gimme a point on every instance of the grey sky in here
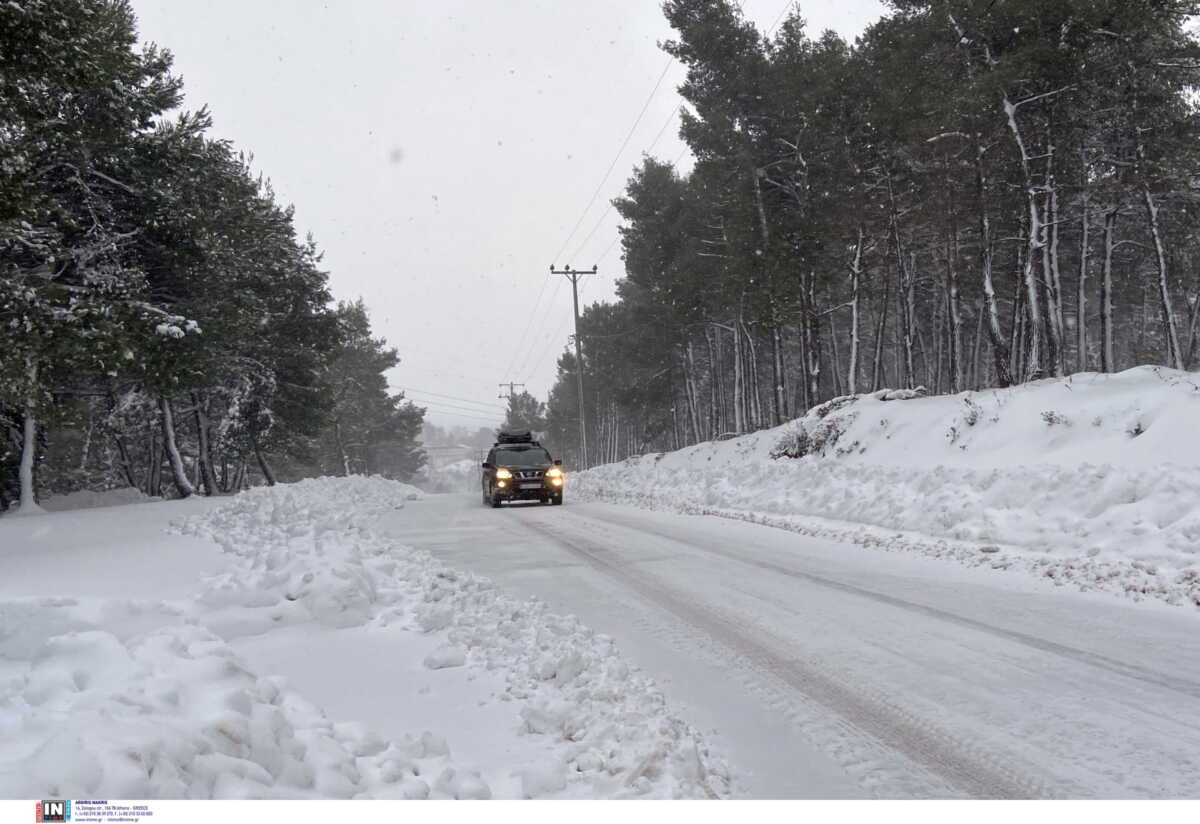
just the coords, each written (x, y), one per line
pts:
(441, 152)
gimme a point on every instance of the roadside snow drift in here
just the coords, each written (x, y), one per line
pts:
(105, 697)
(1092, 480)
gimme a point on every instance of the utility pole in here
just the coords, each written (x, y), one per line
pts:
(573, 275)
(512, 390)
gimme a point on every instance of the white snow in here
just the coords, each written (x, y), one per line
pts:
(457, 476)
(240, 656)
(1092, 480)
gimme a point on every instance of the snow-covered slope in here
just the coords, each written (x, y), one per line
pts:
(145, 672)
(1092, 479)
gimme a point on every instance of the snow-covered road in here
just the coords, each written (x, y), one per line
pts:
(824, 669)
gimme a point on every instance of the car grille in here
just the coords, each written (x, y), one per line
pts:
(528, 474)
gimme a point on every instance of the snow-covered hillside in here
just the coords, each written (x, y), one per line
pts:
(1092, 480)
(140, 664)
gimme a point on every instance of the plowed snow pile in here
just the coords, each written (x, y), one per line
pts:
(1092, 480)
(108, 697)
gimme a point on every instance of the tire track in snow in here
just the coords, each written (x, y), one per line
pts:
(1144, 674)
(971, 773)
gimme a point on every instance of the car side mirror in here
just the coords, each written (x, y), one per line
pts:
(487, 465)
(558, 462)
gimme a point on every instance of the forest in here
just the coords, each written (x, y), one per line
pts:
(975, 193)
(162, 324)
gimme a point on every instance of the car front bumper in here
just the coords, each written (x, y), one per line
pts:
(528, 491)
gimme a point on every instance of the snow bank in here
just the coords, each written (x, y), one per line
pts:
(1092, 480)
(306, 554)
(109, 697)
(172, 713)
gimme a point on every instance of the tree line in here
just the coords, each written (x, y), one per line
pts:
(973, 194)
(162, 325)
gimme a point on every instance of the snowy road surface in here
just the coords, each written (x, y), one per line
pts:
(829, 670)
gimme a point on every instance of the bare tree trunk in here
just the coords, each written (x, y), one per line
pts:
(689, 371)
(1001, 353)
(1053, 285)
(714, 407)
(835, 358)
(739, 380)
(86, 448)
(119, 442)
(123, 455)
(1081, 358)
(204, 457)
(1033, 355)
(182, 484)
(267, 472)
(1033, 327)
(154, 467)
(939, 348)
(789, 408)
(778, 389)
(953, 314)
(877, 370)
(904, 298)
(1017, 340)
(28, 449)
(341, 446)
(29, 442)
(975, 382)
(855, 283)
(1174, 353)
(812, 343)
(1107, 363)
(754, 387)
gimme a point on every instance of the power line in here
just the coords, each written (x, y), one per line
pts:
(647, 150)
(596, 227)
(528, 324)
(617, 156)
(448, 397)
(531, 351)
(599, 187)
(457, 414)
(604, 254)
(448, 405)
(779, 19)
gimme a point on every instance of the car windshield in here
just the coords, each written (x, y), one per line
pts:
(522, 456)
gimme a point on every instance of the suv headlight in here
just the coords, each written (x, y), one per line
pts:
(554, 472)
(503, 474)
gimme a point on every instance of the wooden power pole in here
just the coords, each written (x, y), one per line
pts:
(573, 275)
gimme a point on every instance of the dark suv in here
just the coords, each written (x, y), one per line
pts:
(519, 468)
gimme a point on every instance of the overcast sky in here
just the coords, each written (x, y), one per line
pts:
(441, 153)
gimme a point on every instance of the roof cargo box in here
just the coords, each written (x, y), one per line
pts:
(514, 436)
